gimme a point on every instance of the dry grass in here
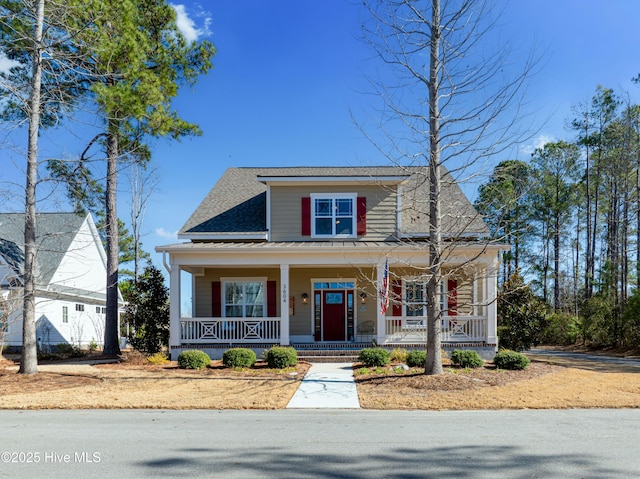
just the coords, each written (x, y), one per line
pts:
(131, 385)
(125, 386)
(541, 386)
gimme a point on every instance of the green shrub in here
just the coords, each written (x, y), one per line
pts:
(399, 355)
(193, 359)
(562, 329)
(280, 357)
(374, 357)
(466, 358)
(511, 360)
(239, 358)
(416, 358)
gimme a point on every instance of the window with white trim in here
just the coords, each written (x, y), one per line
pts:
(415, 297)
(333, 215)
(65, 314)
(244, 299)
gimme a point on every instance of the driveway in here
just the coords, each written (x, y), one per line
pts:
(329, 444)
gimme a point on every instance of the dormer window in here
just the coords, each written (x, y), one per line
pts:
(333, 215)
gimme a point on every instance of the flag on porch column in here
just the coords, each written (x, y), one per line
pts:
(384, 290)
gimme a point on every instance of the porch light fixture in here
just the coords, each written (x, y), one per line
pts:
(363, 296)
(305, 298)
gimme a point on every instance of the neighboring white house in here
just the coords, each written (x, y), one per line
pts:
(299, 256)
(70, 280)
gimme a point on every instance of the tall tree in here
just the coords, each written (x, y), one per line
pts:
(22, 29)
(556, 173)
(445, 114)
(502, 200)
(136, 60)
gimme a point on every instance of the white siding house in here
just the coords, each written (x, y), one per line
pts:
(70, 280)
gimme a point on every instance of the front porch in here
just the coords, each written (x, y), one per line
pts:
(311, 295)
(215, 335)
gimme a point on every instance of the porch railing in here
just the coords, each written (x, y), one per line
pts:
(454, 328)
(230, 330)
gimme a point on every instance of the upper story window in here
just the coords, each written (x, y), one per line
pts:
(333, 215)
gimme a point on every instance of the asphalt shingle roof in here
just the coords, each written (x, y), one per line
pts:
(237, 202)
(54, 234)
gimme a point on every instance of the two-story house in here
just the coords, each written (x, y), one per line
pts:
(299, 256)
(70, 280)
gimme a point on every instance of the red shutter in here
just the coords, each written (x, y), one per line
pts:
(396, 289)
(272, 301)
(362, 215)
(452, 297)
(216, 299)
(306, 216)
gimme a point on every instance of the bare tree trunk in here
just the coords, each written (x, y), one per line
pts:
(29, 359)
(111, 339)
(434, 346)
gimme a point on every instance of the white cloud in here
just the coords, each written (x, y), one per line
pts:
(190, 31)
(172, 235)
(537, 142)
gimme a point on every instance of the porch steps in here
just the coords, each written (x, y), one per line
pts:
(330, 353)
(328, 356)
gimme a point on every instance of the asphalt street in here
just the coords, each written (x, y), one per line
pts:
(320, 444)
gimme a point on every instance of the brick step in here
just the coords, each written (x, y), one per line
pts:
(328, 359)
(328, 355)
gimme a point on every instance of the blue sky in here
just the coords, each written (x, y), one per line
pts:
(288, 74)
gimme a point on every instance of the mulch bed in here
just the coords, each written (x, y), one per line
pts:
(457, 379)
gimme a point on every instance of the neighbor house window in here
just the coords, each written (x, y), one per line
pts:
(65, 314)
(333, 215)
(244, 299)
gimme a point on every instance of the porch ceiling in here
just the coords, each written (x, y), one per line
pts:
(320, 253)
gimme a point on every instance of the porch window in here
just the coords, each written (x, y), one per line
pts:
(415, 297)
(333, 215)
(244, 299)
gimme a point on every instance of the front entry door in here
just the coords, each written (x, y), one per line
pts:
(334, 315)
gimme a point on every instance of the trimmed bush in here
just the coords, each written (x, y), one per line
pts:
(280, 357)
(511, 360)
(416, 359)
(374, 357)
(466, 358)
(193, 359)
(239, 358)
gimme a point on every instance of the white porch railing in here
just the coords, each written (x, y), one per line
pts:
(454, 328)
(230, 330)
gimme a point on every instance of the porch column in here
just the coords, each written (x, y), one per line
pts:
(284, 304)
(492, 305)
(381, 318)
(174, 305)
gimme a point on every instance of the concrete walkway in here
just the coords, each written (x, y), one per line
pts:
(327, 385)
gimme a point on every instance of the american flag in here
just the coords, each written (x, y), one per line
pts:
(384, 290)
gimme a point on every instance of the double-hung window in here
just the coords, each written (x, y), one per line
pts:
(244, 299)
(333, 215)
(415, 298)
(415, 293)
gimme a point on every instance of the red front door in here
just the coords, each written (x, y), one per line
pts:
(333, 315)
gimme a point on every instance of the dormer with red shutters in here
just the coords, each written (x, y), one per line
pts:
(333, 208)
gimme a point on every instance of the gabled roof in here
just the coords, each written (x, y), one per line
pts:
(237, 202)
(54, 234)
